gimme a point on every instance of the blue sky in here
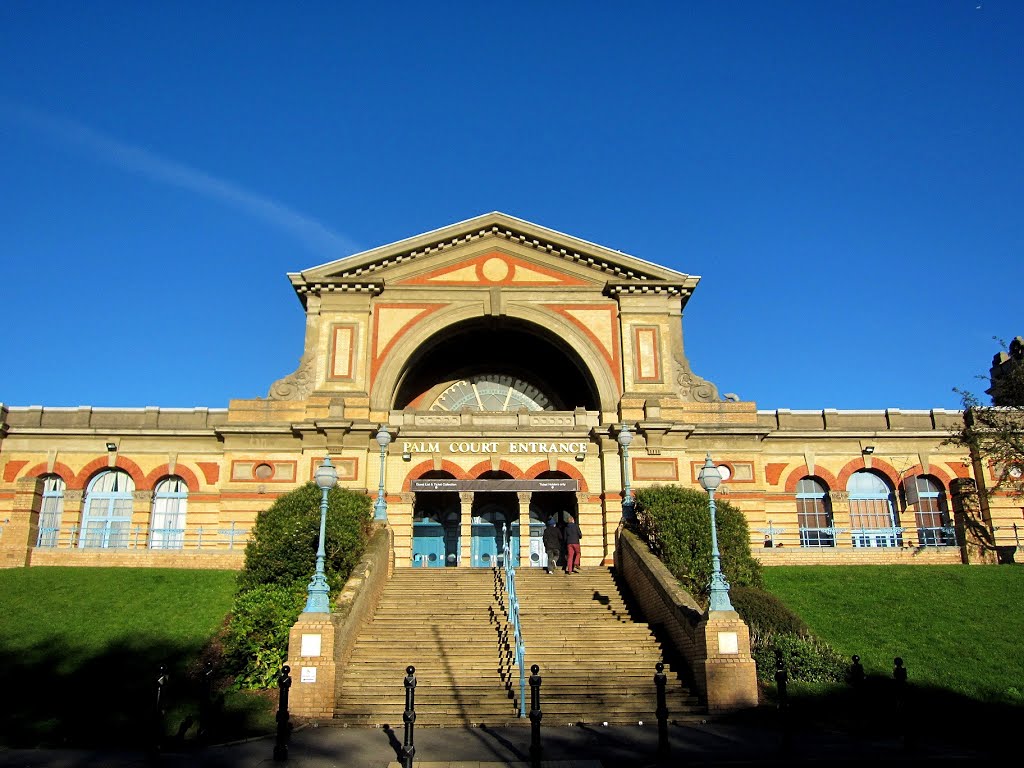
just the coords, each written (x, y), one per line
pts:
(846, 177)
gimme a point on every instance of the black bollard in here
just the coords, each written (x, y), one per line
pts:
(284, 726)
(409, 716)
(535, 715)
(206, 705)
(781, 683)
(162, 679)
(660, 681)
(856, 673)
(903, 713)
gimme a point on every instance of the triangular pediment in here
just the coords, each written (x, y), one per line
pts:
(492, 250)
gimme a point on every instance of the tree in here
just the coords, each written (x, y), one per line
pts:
(994, 434)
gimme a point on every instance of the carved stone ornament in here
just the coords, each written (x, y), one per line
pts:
(295, 386)
(691, 387)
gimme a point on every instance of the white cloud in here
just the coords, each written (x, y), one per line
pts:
(314, 235)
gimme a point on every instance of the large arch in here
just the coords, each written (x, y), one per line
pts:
(410, 368)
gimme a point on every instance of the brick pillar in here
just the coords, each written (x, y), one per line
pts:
(465, 529)
(841, 518)
(400, 522)
(314, 670)
(22, 529)
(71, 520)
(724, 662)
(598, 540)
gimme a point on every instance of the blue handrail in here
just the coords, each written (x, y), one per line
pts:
(513, 616)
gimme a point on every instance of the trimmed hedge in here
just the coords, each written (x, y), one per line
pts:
(279, 562)
(676, 524)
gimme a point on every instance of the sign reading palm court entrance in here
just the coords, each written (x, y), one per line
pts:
(448, 484)
(572, 447)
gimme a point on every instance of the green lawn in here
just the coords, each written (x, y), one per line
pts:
(957, 628)
(80, 647)
(80, 650)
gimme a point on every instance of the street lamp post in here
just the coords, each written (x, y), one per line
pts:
(380, 508)
(710, 478)
(316, 601)
(625, 438)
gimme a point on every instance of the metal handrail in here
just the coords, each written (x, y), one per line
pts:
(513, 615)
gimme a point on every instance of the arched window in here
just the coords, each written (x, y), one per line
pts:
(108, 510)
(872, 511)
(932, 513)
(814, 514)
(51, 512)
(167, 526)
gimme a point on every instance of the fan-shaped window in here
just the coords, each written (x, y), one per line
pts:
(872, 511)
(933, 529)
(814, 514)
(108, 510)
(51, 512)
(170, 501)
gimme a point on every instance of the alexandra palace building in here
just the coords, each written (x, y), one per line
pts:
(490, 373)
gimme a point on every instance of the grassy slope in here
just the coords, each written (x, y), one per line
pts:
(80, 647)
(956, 628)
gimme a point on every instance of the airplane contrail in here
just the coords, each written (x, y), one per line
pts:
(314, 235)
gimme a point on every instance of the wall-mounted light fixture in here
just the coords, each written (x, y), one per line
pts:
(869, 449)
(406, 456)
(111, 446)
(581, 456)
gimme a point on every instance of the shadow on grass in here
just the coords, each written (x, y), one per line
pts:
(59, 695)
(922, 718)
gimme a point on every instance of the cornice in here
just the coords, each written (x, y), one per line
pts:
(359, 272)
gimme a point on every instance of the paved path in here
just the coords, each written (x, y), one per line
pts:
(698, 745)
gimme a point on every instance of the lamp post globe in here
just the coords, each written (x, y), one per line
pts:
(317, 593)
(710, 478)
(625, 438)
(380, 508)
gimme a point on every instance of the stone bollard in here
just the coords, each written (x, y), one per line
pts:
(660, 682)
(284, 726)
(409, 716)
(535, 716)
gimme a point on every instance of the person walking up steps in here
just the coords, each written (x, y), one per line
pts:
(572, 542)
(552, 544)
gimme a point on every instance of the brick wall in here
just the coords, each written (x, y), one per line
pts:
(858, 556)
(231, 560)
(725, 679)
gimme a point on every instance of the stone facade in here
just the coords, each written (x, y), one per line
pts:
(492, 350)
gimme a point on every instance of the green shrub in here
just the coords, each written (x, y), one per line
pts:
(280, 560)
(806, 659)
(256, 640)
(765, 614)
(284, 540)
(676, 523)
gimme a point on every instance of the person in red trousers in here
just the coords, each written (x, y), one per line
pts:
(572, 535)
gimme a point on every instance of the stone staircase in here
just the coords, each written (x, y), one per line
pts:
(597, 664)
(597, 661)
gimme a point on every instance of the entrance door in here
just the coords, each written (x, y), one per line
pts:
(428, 544)
(486, 544)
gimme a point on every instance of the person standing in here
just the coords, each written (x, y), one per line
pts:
(552, 544)
(572, 535)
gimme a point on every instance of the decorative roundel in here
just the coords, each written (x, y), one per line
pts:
(1016, 471)
(725, 471)
(492, 392)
